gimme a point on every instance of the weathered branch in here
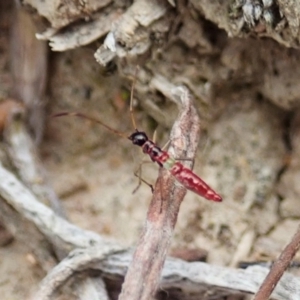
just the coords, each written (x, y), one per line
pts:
(77, 260)
(278, 268)
(24, 156)
(189, 277)
(143, 275)
(65, 235)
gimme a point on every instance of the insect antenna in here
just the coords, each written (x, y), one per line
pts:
(83, 116)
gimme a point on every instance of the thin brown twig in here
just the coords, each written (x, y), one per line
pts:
(278, 268)
(142, 279)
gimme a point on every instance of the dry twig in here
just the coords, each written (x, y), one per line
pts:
(278, 268)
(190, 278)
(78, 260)
(25, 158)
(143, 275)
(66, 236)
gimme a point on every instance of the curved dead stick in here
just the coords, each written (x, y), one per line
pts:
(189, 277)
(77, 260)
(60, 232)
(25, 158)
(143, 276)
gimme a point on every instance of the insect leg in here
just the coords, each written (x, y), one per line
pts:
(138, 174)
(166, 145)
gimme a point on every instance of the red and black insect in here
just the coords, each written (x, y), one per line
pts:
(182, 174)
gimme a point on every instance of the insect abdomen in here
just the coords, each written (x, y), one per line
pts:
(194, 183)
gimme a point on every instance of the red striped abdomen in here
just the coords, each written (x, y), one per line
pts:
(193, 183)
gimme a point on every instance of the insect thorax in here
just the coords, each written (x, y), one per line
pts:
(169, 163)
